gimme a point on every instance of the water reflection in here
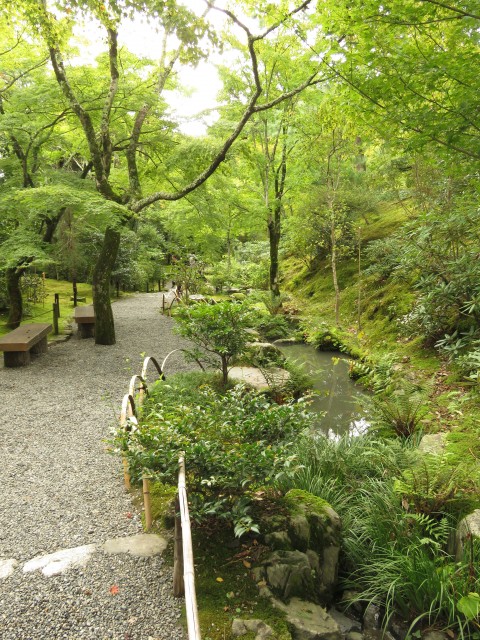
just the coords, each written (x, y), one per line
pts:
(338, 400)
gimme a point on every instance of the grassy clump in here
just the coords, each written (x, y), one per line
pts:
(396, 527)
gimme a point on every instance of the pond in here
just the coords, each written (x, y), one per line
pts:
(338, 400)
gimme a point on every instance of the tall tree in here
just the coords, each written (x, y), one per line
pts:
(100, 128)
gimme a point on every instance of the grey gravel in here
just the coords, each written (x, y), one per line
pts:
(61, 489)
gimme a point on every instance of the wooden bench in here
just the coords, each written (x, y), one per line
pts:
(85, 318)
(23, 341)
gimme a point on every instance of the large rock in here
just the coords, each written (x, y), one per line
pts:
(306, 547)
(468, 526)
(290, 574)
(308, 621)
(264, 353)
(433, 443)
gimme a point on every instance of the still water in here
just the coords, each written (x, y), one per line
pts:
(338, 400)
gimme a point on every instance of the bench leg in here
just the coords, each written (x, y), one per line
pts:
(40, 347)
(86, 329)
(16, 358)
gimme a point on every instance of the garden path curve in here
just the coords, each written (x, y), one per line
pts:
(62, 490)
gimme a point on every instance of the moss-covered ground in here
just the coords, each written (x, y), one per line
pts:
(42, 311)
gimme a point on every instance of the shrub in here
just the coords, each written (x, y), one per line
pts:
(233, 444)
(273, 327)
(219, 331)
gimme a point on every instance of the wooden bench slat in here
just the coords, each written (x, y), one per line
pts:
(85, 314)
(24, 337)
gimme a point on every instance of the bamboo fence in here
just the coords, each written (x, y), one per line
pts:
(183, 570)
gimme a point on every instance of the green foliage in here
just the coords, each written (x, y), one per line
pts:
(401, 411)
(273, 327)
(376, 374)
(433, 485)
(243, 275)
(328, 338)
(218, 330)
(233, 444)
(392, 556)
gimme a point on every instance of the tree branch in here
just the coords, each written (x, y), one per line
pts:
(463, 13)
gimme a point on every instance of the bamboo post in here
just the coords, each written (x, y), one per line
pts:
(147, 503)
(178, 584)
(126, 473)
(55, 319)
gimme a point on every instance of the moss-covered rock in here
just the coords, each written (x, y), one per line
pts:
(306, 549)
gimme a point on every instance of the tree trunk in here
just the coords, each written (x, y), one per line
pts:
(13, 275)
(104, 325)
(224, 372)
(274, 240)
(334, 273)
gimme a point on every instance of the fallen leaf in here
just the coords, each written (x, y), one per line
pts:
(247, 564)
(114, 590)
(226, 608)
(129, 515)
(88, 592)
(219, 579)
(262, 583)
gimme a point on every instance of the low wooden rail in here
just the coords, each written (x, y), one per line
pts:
(183, 570)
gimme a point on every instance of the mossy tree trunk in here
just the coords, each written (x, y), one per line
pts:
(13, 275)
(104, 325)
(274, 231)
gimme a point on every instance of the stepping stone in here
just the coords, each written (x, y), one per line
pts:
(143, 544)
(255, 378)
(7, 567)
(60, 561)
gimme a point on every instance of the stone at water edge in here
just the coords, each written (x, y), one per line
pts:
(345, 623)
(309, 621)
(255, 378)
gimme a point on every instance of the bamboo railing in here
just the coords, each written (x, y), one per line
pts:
(183, 570)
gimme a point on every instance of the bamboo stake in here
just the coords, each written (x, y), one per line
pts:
(178, 585)
(147, 503)
(126, 474)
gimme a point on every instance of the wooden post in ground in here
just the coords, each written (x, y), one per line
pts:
(75, 292)
(178, 584)
(163, 304)
(126, 473)
(55, 319)
(147, 504)
(57, 302)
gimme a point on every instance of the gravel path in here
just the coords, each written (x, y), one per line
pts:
(61, 489)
